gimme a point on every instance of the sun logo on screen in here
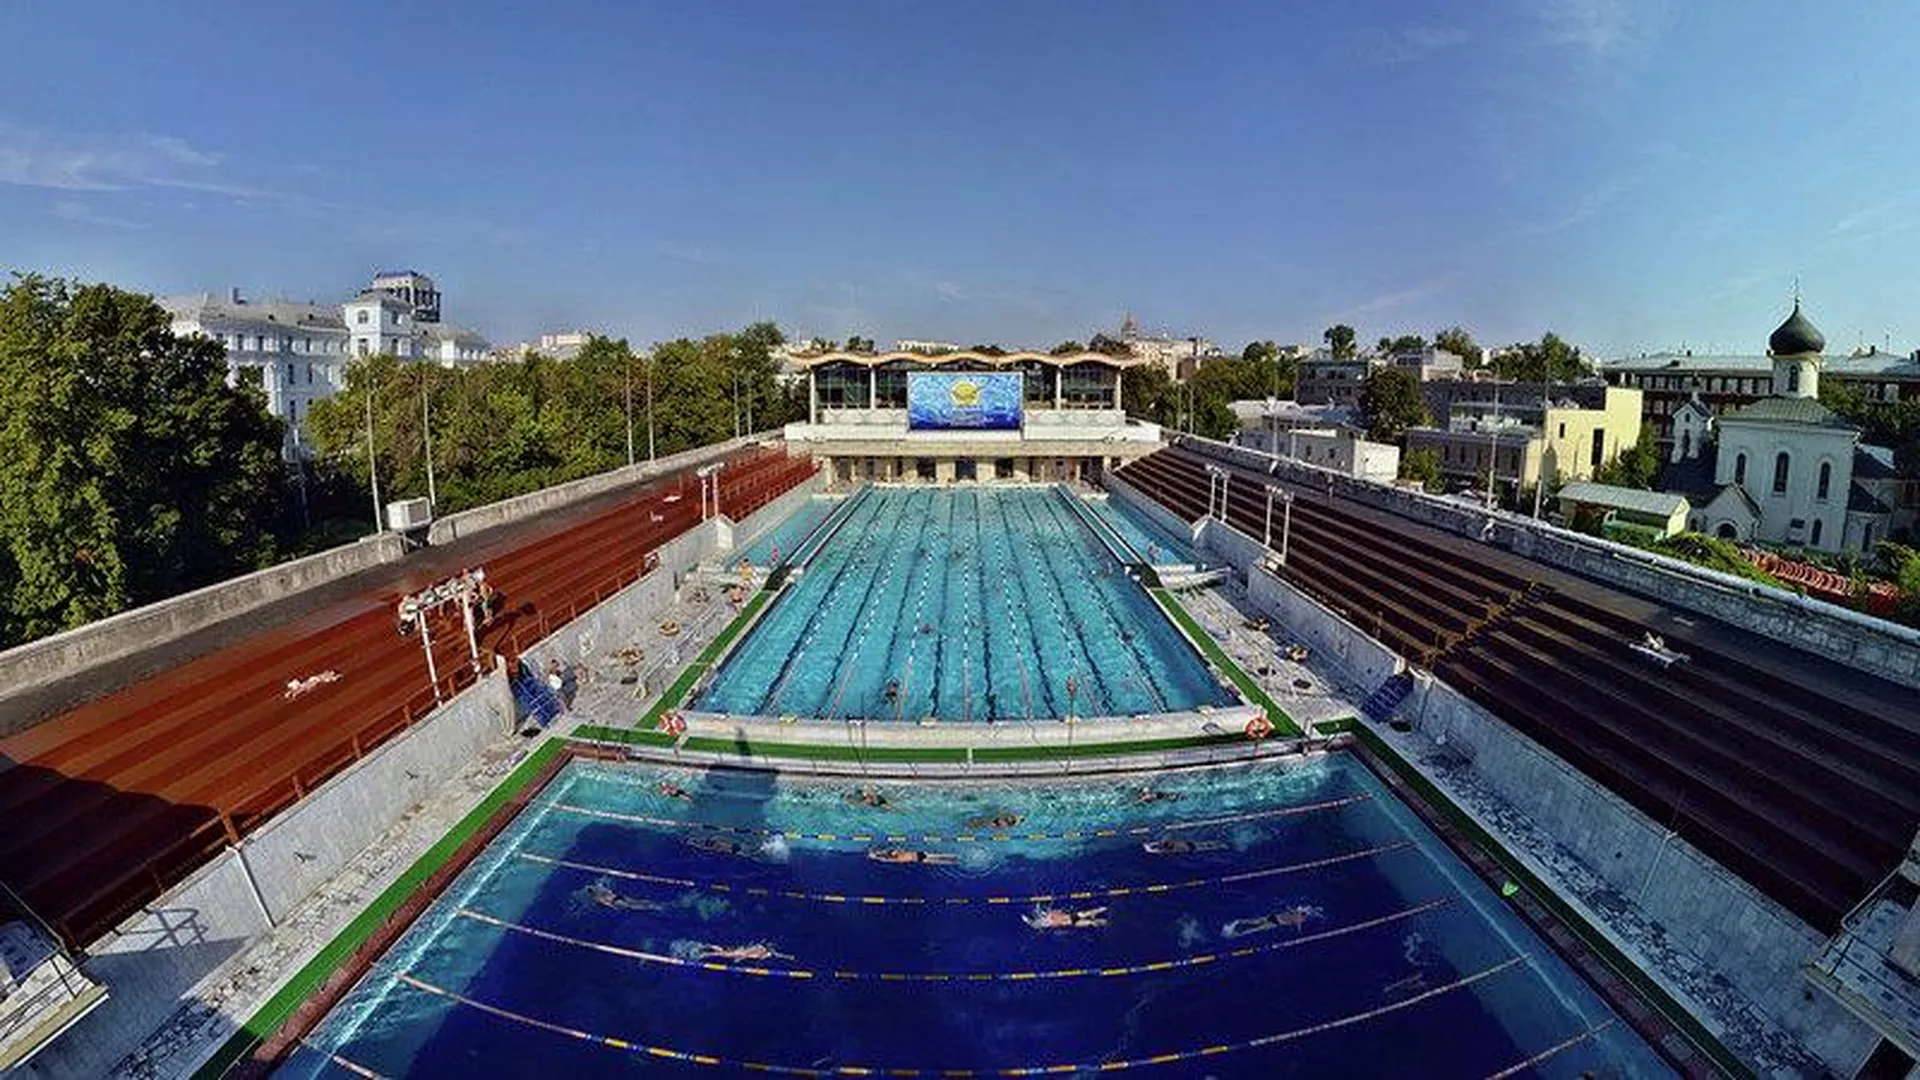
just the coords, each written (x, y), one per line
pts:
(966, 394)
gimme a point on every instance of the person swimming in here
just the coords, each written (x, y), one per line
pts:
(1002, 820)
(671, 790)
(1181, 847)
(757, 950)
(1154, 795)
(1295, 917)
(1053, 918)
(722, 845)
(603, 894)
(912, 855)
(870, 797)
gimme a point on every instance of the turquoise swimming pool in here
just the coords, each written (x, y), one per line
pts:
(1273, 920)
(962, 604)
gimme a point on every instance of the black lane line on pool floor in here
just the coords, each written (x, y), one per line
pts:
(1553, 1051)
(1154, 888)
(1169, 1058)
(1195, 960)
(1102, 833)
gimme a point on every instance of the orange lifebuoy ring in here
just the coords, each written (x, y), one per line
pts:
(673, 723)
(1259, 727)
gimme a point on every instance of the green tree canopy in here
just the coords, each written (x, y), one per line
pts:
(1548, 360)
(1457, 341)
(1342, 340)
(1423, 465)
(1390, 402)
(1638, 466)
(129, 470)
(1109, 346)
(1066, 348)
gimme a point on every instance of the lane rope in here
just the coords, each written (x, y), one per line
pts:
(956, 901)
(1196, 960)
(344, 1062)
(965, 837)
(1552, 1051)
(1113, 1065)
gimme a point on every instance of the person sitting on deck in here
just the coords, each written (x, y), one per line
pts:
(912, 855)
(1053, 918)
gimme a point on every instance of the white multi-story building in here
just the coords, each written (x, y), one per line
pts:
(413, 287)
(923, 345)
(295, 352)
(381, 323)
(1180, 357)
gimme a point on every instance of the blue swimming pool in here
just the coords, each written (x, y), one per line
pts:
(1301, 923)
(785, 538)
(1151, 542)
(962, 604)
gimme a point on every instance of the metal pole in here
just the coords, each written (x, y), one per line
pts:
(467, 597)
(426, 435)
(426, 644)
(1266, 537)
(1493, 445)
(1286, 526)
(649, 409)
(627, 370)
(373, 474)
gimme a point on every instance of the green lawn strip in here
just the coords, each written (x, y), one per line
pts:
(1591, 938)
(914, 754)
(270, 1016)
(677, 693)
(1282, 723)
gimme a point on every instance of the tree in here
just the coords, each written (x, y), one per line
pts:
(858, 344)
(1216, 419)
(129, 470)
(1260, 352)
(989, 350)
(1146, 393)
(1457, 341)
(1423, 465)
(1109, 346)
(1638, 466)
(1384, 346)
(1407, 343)
(1390, 402)
(1548, 360)
(1066, 348)
(1341, 340)
(1278, 372)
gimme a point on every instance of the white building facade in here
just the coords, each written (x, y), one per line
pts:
(295, 352)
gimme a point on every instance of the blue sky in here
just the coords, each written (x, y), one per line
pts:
(1634, 175)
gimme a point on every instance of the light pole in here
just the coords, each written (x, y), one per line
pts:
(426, 435)
(627, 370)
(373, 473)
(1286, 524)
(649, 408)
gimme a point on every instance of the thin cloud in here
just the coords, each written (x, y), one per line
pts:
(33, 158)
(1411, 43)
(1596, 27)
(695, 255)
(77, 211)
(1397, 299)
(1591, 203)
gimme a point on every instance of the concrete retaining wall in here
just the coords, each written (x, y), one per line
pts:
(1755, 944)
(1859, 641)
(156, 958)
(1151, 507)
(1323, 631)
(628, 617)
(748, 531)
(505, 512)
(37, 663)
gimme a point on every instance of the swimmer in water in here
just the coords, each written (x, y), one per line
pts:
(722, 845)
(758, 950)
(911, 855)
(601, 893)
(671, 790)
(869, 797)
(1181, 847)
(1053, 918)
(1002, 820)
(1295, 917)
(1154, 795)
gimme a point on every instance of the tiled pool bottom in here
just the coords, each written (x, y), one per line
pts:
(1288, 921)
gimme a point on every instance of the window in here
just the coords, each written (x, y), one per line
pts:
(841, 386)
(289, 373)
(1866, 537)
(1599, 446)
(1793, 378)
(1563, 429)
(1740, 469)
(1826, 481)
(1814, 539)
(1781, 465)
(309, 373)
(360, 316)
(1686, 444)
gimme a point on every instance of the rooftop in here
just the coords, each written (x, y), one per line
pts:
(964, 356)
(1865, 364)
(1632, 500)
(209, 308)
(1782, 410)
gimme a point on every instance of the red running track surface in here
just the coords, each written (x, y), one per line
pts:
(112, 802)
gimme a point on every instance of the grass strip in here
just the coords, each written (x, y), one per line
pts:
(268, 1018)
(1282, 723)
(1590, 937)
(903, 754)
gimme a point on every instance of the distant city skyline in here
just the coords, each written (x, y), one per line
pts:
(1634, 175)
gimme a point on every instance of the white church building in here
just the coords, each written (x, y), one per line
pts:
(1785, 469)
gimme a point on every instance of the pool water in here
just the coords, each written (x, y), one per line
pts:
(962, 604)
(785, 538)
(1152, 543)
(1315, 929)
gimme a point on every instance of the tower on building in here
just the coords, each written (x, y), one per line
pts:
(1795, 348)
(412, 288)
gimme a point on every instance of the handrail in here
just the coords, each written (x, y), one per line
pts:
(1116, 545)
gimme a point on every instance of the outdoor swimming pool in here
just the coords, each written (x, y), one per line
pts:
(1312, 927)
(962, 604)
(1152, 543)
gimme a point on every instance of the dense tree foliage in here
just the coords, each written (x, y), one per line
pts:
(1109, 346)
(129, 470)
(1066, 348)
(504, 429)
(1893, 424)
(1638, 466)
(1341, 339)
(1390, 402)
(1548, 360)
(1457, 341)
(1423, 466)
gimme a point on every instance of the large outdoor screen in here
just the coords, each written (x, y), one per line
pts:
(976, 400)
